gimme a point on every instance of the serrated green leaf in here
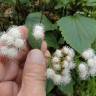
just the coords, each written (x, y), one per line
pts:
(51, 40)
(66, 89)
(35, 18)
(78, 31)
(50, 85)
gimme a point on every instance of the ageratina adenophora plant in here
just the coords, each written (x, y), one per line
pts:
(69, 28)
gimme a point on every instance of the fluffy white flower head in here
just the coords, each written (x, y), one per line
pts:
(92, 71)
(6, 39)
(14, 32)
(3, 37)
(12, 52)
(66, 72)
(72, 65)
(65, 64)
(55, 60)
(57, 79)
(66, 79)
(9, 41)
(3, 51)
(38, 31)
(71, 53)
(91, 62)
(68, 58)
(65, 50)
(50, 73)
(19, 43)
(58, 53)
(87, 54)
(83, 71)
(57, 67)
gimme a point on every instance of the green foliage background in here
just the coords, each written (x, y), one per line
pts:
(67, 22)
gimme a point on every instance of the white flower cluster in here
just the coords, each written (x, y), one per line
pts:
(38, 31)
(88, 69)
(11, 41)
(62, 64)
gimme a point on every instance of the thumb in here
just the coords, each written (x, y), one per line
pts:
(34, 75)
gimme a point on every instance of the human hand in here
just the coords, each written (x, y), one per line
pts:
(24, 76)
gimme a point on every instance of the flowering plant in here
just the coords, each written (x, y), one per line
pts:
(69, 28)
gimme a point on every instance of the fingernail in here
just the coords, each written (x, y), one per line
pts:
(36, 56)
(24, 31)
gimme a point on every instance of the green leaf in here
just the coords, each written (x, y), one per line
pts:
(78, 31)
(35, 18)
(50, 85)
(51, 40)
(91, 3)
(67, 89)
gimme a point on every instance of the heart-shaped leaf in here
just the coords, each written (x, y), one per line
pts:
(35, 18)
(78, 31)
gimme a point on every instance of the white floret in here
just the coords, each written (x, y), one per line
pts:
(6, 39)
(3, 37)
(72, 65)
(91, 62)
(55, 60)
(10, 40)
(58, 53)
(65, 72)
(69, 65)
(65, 50)
(94, 58)
(71, 53)
(57, 79)
(3, 51)
(66, 79)
(68, 58)
(14, 32)
(38, 31)
(92, 71)
(19, 43)
(57, 67)
(92, 66)
(50, 73)
(83, 71)
(87, 54)
(12, 52)
(65, 64)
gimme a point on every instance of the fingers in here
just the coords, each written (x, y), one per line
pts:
(44, 47)
(11, 70)
(2, 72)
(8, 71)
(24, 31)
(22, 54)
(19, 78)
(34, 75)
(8, 89)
